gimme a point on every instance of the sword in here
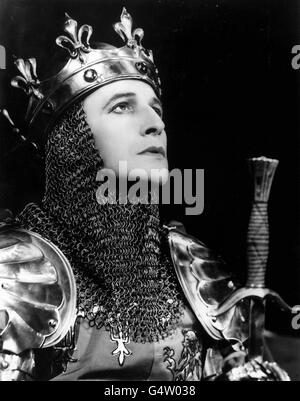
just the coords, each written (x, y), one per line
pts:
(255, 291)
(263, 171)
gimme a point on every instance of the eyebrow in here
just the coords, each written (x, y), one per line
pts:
(130, 94)
(118, 96)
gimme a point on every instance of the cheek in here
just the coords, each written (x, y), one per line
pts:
(165, 139)
(113, 145)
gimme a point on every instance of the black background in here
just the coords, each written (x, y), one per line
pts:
(229, 93)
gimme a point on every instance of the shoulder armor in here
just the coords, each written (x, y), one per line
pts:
(206, 284)
(37, 291)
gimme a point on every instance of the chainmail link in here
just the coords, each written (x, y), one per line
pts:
(119, 253)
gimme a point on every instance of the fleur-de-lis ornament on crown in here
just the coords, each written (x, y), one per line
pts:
(133, 39)
(78, 41)
(29, 81)
(124, 29)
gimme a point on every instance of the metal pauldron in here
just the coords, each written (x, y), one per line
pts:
(37, 299)
(206, 284)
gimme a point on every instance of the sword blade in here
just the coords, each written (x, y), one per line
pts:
(256, 328)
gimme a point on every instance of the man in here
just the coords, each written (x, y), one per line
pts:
(136, 318)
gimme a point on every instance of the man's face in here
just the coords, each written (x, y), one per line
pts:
(126, 120)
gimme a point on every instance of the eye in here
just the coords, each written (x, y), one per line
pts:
(158, 110)
(122, 107)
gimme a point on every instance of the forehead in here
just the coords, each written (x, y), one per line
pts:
(140, 89)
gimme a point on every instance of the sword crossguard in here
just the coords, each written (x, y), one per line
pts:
(245, 292)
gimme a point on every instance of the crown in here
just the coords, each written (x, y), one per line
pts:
(86, 70)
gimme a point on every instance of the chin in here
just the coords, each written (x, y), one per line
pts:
(159, 176)
(155, 170)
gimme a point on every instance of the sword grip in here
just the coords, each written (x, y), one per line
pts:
(263, 170)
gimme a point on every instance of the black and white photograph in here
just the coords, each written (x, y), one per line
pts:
(149, 193)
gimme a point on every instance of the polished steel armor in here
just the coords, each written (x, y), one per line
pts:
(206, 284)
(37, 292)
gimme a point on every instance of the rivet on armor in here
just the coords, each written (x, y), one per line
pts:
(49, 106)
(52, 323)
(141, 67)
(230, 284)
(4, 286)
(90, 75)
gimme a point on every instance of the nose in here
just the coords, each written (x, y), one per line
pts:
(152, 123)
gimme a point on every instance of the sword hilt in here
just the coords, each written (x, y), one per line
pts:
(262, 170)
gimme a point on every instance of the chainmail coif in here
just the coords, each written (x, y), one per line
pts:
(119, 253)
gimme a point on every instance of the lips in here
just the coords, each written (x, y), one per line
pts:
(154, 150)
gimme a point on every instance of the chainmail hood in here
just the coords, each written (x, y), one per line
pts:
(119, 253)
